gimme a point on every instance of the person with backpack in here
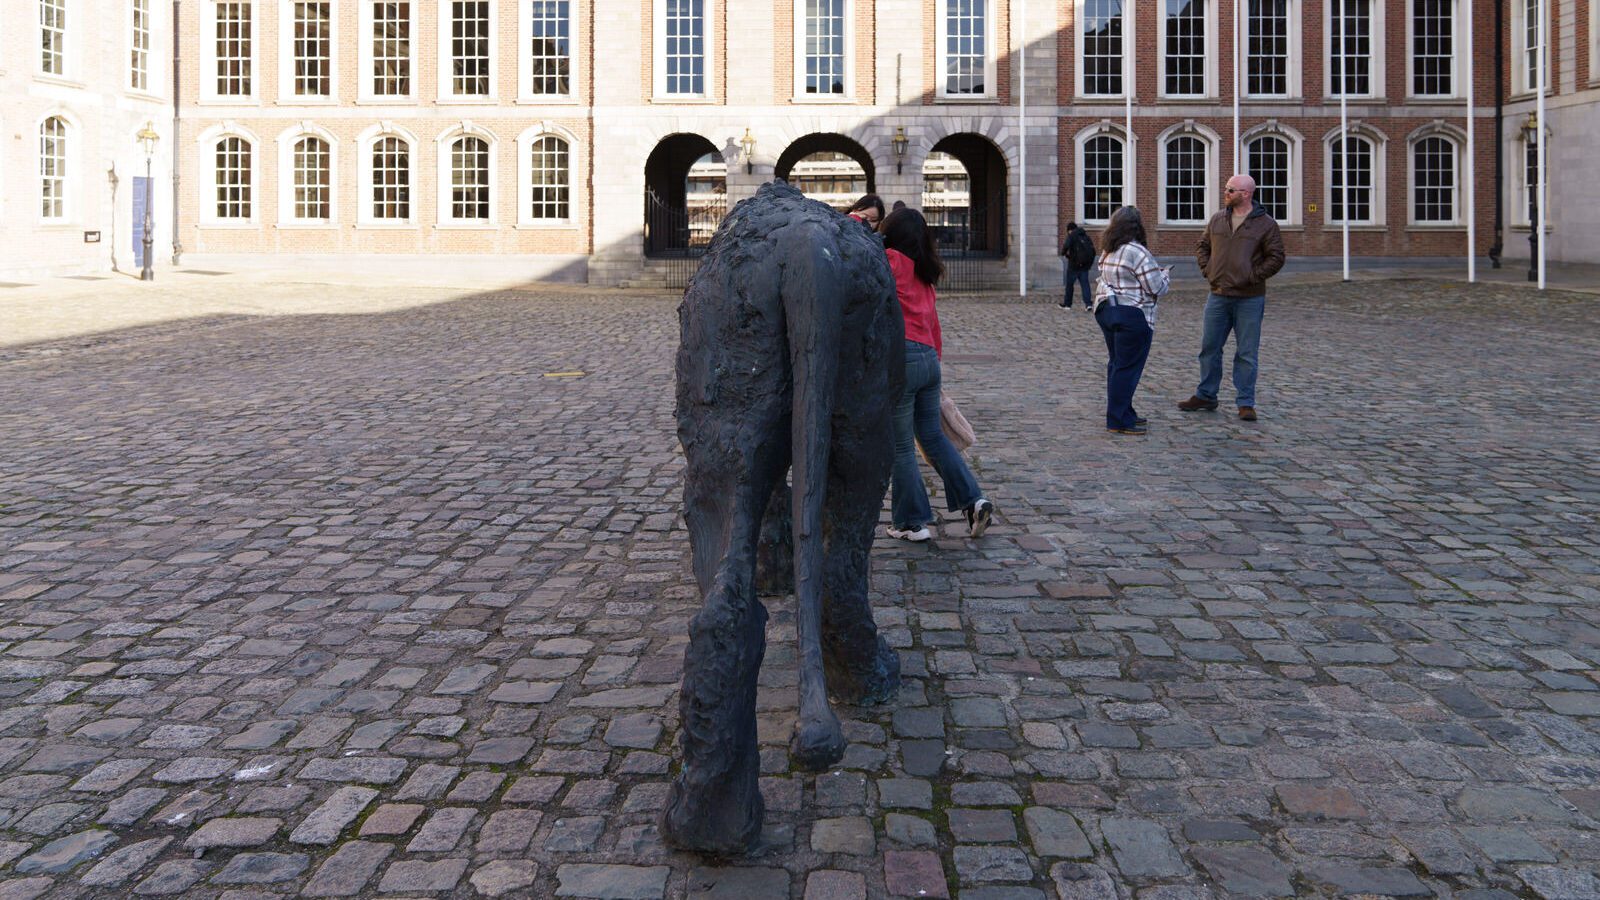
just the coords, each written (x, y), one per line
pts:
(1077, 258)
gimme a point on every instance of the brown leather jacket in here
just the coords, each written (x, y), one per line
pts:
(1238, 263)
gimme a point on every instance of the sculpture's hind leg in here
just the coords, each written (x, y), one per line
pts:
(860, 667)
(715, 802)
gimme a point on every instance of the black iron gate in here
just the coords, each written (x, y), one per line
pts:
(676, 237)
(969, 245)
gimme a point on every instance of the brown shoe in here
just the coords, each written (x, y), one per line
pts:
(1247, 413)
(1194, 404)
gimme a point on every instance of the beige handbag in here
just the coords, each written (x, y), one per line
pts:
(955, 426)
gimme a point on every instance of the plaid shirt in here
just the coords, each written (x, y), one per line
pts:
(1131, 276)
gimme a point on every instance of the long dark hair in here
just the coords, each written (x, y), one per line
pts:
(868, 201)
(1126, 227)
(907, 231)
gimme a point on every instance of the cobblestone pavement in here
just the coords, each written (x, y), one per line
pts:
(369, 605)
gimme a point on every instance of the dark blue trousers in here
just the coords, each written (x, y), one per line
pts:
(1128, 338)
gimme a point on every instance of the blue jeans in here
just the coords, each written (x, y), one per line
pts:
(1079, 277)
(1128, 336)
(916, 421)
(1242, 316)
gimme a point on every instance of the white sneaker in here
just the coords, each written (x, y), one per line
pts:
(916, 536)
(978, 517)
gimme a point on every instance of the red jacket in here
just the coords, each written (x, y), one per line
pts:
(916, 302)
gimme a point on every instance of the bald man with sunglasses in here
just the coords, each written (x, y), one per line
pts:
(1239, 251)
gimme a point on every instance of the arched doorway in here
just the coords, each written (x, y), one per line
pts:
(964, 197)
(828, 167)
(685, 197)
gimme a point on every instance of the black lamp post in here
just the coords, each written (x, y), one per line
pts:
(900, 142)
(147, 140)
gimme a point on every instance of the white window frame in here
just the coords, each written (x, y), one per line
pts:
(445, 218)
(286, 142)
(1296, 142)
(525, 175)
(849, 94)
(525, 92)
(1375, 59)
(1520, 83)
(1129, 150)
(209, 60)
(1518, 183)
(446, 80)
(1294, 80)
(1457, 29)
(286, 94)
(991, 77)
(71, 10)
(149, 50)
(366, 142)
(206, 149)
(1458, 142)
(658, 27)
(1210, 141)
(70, 157)
(366, 59)
(1130, 53)
(1380, 176)
(1209, 20)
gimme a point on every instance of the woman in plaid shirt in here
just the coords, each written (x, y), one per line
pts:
(1125, 306)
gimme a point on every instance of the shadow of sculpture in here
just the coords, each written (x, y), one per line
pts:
(792, 356)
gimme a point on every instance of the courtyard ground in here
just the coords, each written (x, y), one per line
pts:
(349, 589)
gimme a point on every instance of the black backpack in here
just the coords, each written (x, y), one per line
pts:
(1080, 250)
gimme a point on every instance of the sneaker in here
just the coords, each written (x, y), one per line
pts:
(1064, 305)
(1194, 404)
(914, 535)
(979, 515)
(1135, 430)
(1247, 413)
(1140, 421)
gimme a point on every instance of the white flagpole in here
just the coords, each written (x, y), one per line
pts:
(1344, 129)
(1022, 153)
(1471, 166)
(1544, 180)
(1130, 79)
(1238, 53)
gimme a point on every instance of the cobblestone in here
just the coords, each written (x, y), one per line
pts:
(362, 605)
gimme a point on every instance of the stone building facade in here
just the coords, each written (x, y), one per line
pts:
(79, 79)
(590, 140)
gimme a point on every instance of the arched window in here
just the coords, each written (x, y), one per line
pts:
(1102, 177)
(1433, 181)
(549, 178)
(1353, 162)
(1185, 167)
(53, 168)
(313, 180)
(469, 179)
(233, 178)
(391, 180)
(1269, 159)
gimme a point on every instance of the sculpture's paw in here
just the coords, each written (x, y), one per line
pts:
(817, 744)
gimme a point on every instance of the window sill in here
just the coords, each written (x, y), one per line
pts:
(1528, 229)
(386, 226)
(307, 226)
(563, 225)
(229, 100)
(231, 226)
(552, 100)
(465, 226)
(58, 225)
(823, 99)
(375, 100)
(966, 99)
(468, 101)
(1271, 98)
(1182, 226)
(61, 80)
(1188, 98)
(687, 101)
(306, 101)
(1364, 228)
(146, 96)
(1437, 99)
(1437, 229)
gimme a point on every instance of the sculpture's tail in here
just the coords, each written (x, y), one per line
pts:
(812, 289)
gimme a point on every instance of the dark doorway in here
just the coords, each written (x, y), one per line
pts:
(685, 198)
(979, 230)
(834, 147)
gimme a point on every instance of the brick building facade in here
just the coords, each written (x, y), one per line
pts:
(555, 138)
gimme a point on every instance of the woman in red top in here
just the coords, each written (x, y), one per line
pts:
(917, 269)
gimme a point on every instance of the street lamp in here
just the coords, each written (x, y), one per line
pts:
(900, 142)
(1530, 139)
(748, 145)
(147, 140)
